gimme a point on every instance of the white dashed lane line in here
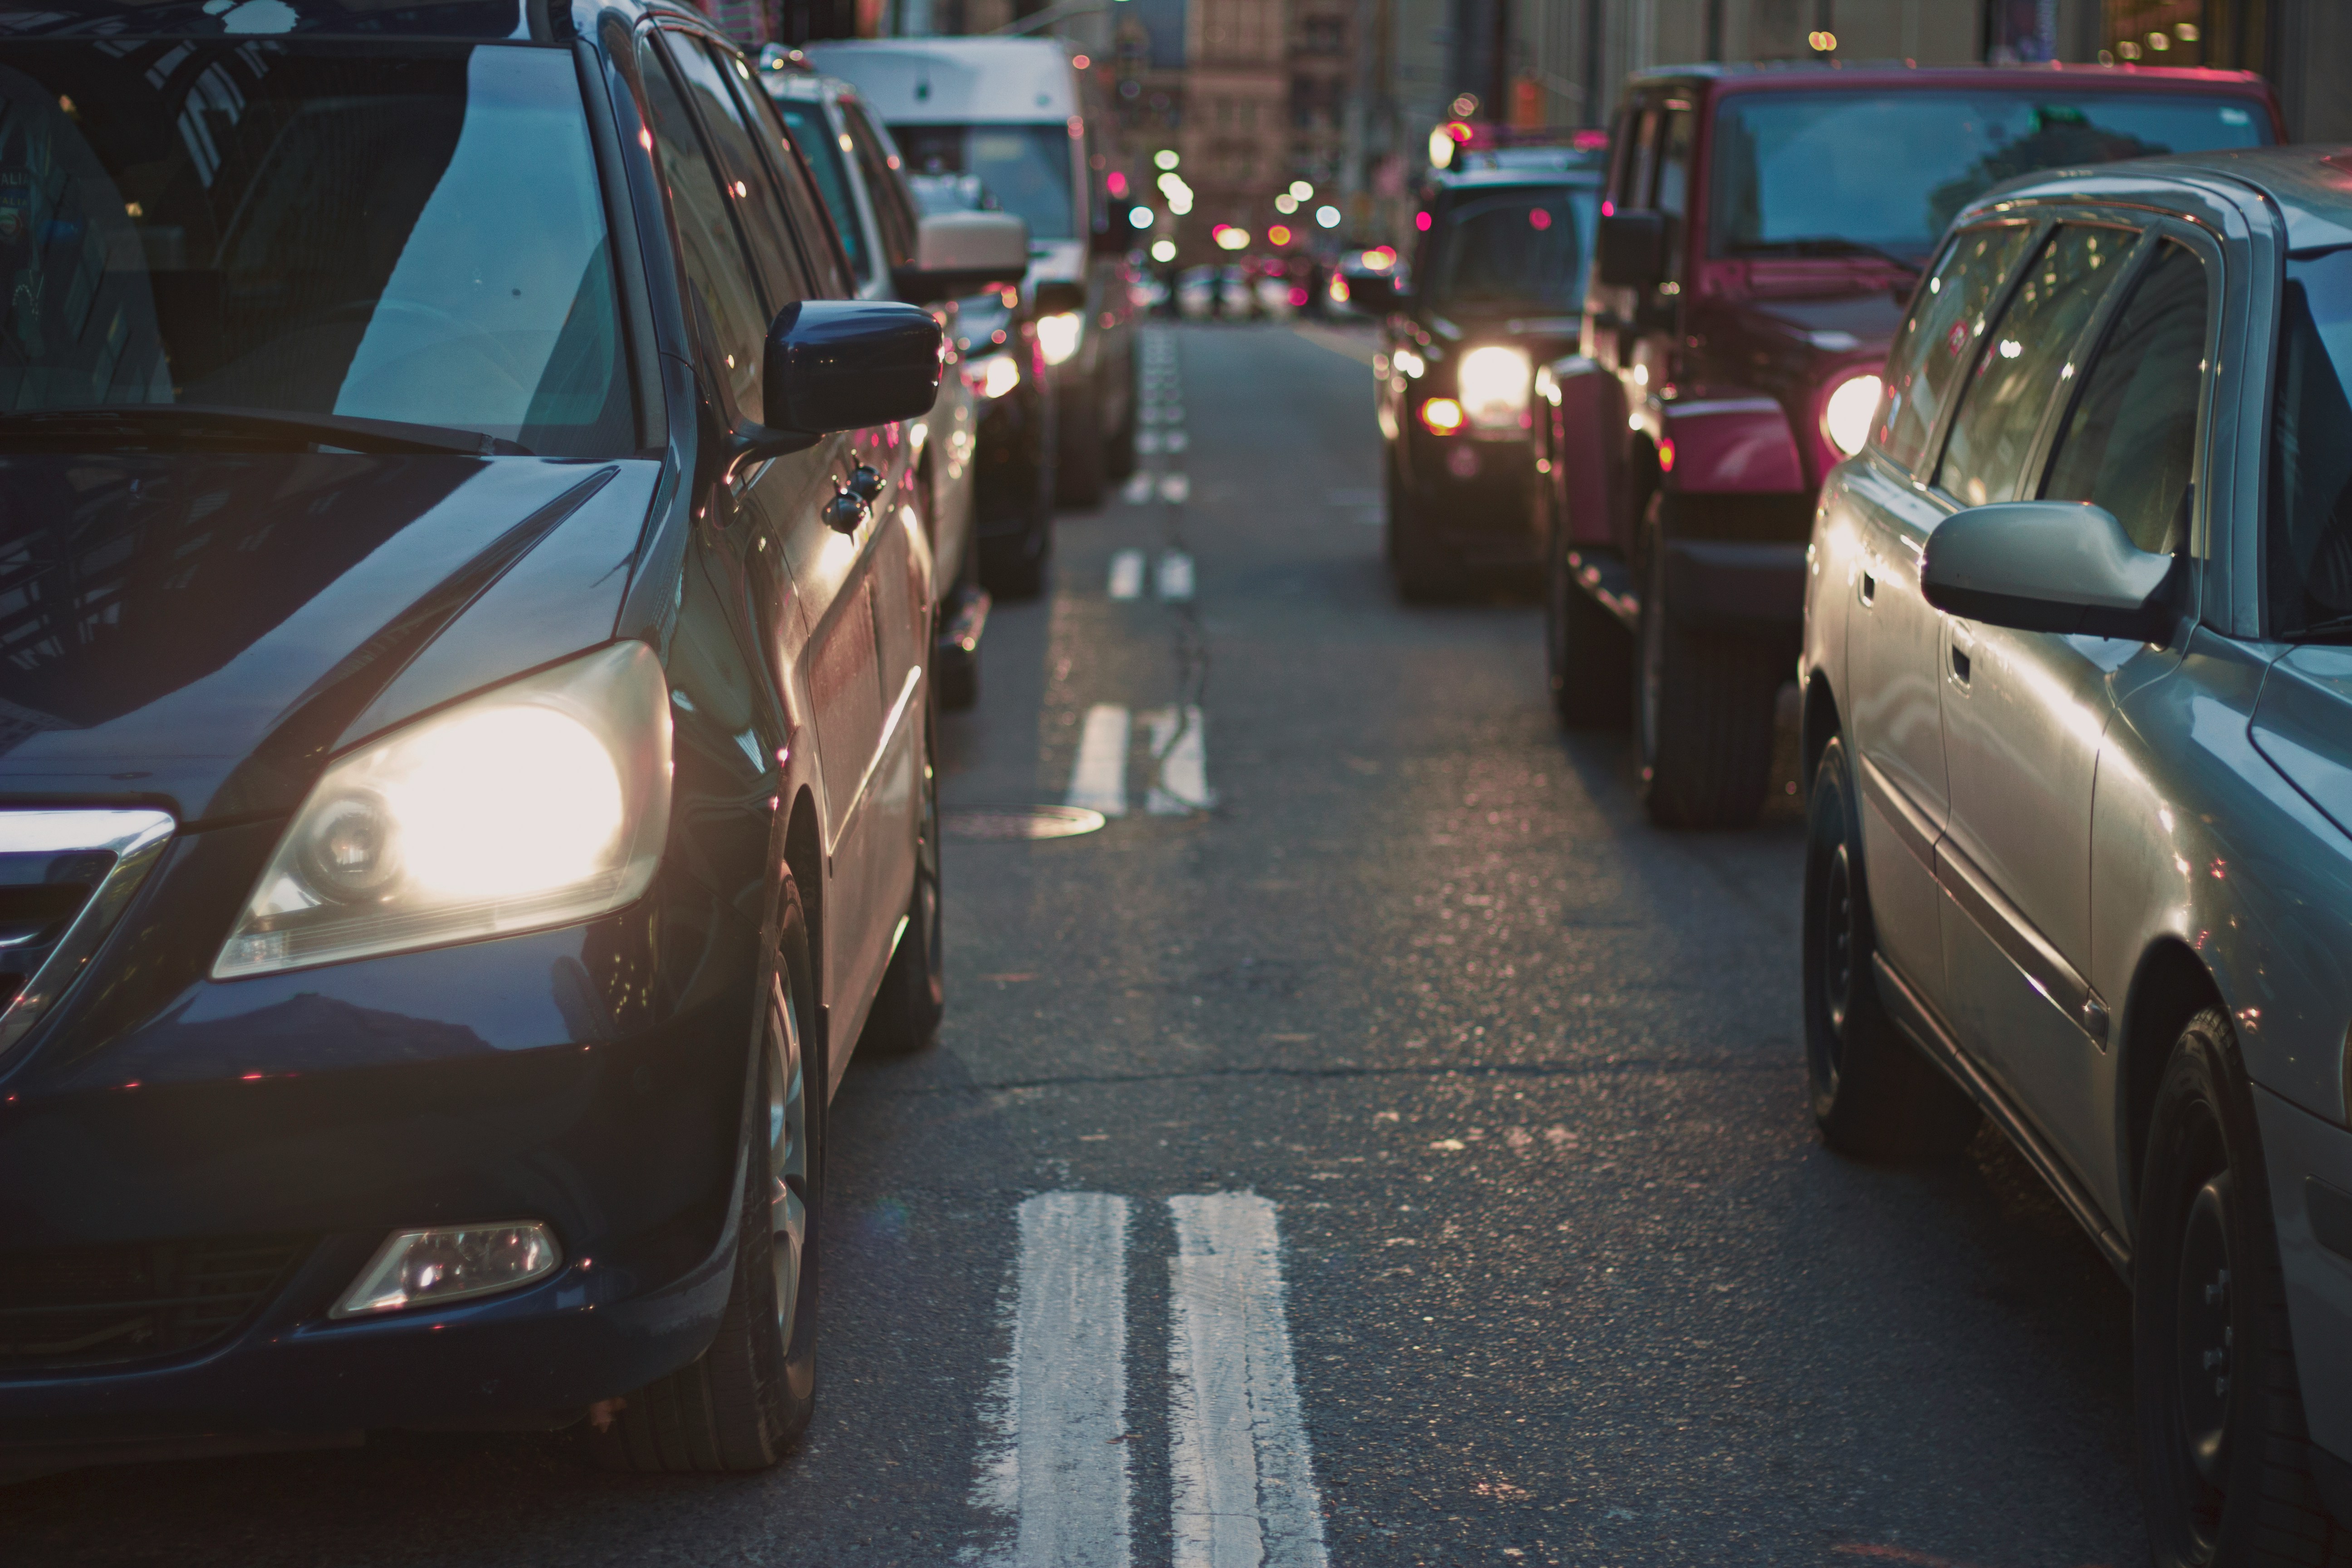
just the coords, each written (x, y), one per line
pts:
(1125, 574)
(1175, 577)
(1136, 491)
(1175, 486)
(1098, 779)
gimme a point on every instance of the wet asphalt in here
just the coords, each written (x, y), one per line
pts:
(1569, 1279)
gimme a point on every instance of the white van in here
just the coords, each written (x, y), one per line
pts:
(1014, 113)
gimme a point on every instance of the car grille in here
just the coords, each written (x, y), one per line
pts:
(96, 1305)
(65, 879)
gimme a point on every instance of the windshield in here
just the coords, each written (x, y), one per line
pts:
(1515, 250)
(819, 145)
(1027, 168)
(1890, 170)
(412, 237)
(2309, 564)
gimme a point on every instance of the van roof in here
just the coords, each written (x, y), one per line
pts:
(956, 81)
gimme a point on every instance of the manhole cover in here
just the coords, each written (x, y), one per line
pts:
(1021, 822)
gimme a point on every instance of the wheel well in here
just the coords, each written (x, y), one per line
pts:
(804, 858)
(2171, 985)
(1820, 721)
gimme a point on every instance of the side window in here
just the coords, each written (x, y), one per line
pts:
(2019, 364)
(1673, 198)
(1642, 173)
(763, 219)
(720, 297)
(1938, 336)
(821, 245)
(885, 182)
(813, 135)
(2130, 442)
(1621, 137)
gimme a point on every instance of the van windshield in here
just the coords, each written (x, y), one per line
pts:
(411, 236)
(1803, 173)
(1025, 167)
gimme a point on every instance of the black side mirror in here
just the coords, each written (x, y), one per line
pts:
(1630, 250)
(2048, 566)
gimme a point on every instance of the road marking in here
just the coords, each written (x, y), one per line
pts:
(1240, 1471)
(1163, 414)
(1098, 780)
(1179, 745)
(1125, 574)
(1137, 488)
(1354, 498)
(1358, 344)
(1054, 1473)
(1175, 486)
(1175, 576)
(1147, 441)
(1175, 441)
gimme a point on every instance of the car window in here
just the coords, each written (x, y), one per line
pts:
(822, 146)
(721, 299)
(1027, 168)
(820, 237)
(760, 217)
(2130, 442)
(1672, 198)
(2308, 558)
(884, 170)
(2021, 362)
(1938, 336)
(1642, 170)
(1514, 251)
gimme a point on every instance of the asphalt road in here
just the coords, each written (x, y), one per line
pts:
(1399, 977)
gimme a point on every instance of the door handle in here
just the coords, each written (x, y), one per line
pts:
(865, 483)
(1869, 585)
(1959, 664)
(843, 512)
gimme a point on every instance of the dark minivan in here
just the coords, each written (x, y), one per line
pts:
(465, 751)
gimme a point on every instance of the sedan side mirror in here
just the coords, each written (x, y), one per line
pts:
(1630, 249)
(958, 254)
(2048, 566)
(841, 365)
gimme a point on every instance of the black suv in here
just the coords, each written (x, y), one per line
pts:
(1493, 291)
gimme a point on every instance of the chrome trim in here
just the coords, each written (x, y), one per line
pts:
(1906, 821)
(2044, 968)
(136, 839)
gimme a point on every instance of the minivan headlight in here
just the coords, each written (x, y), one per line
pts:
(538, 804)
(1494, 382)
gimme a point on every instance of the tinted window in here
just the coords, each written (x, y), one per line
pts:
(819, 251)
(1938, 336)
(2022, 360)
(820, 145)
(2130, 442)
(1515, 250)
(885, 182)
(1025, 167)
(2310, 541)
(415, 235)
(757, 214)
(721, 301)
(1674, 185)
(1796, 173)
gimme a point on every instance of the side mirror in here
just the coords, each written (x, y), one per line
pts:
(1374, 293)
(1630, 249)
(2048, 566)
(841, 365)
(958, 254)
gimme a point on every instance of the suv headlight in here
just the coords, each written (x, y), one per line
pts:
(538, 804)
(1846, 416)
(1057, 335)
(1493, 384)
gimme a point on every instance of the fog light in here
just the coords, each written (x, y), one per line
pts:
(450, 1263)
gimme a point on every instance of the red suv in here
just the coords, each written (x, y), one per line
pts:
(1761, 234)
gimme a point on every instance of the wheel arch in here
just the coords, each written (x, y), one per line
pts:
(804, 861)
(1818, 721)
(2169, 985)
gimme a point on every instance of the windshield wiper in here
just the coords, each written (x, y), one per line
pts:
(2334, 628)
(148, 425)
(1824, 245)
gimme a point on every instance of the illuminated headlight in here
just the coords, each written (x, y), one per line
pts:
(1057, 335)
(539, 803)
(1494, 385)
(1001, 375)
(1846, 418)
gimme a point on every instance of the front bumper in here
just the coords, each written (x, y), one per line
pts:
(564, 1076)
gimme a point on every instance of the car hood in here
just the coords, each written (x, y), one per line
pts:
(1837, 324)
(200, 631)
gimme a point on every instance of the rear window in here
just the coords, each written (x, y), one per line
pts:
(1511, 250)
(1025, 168)
(821, 147)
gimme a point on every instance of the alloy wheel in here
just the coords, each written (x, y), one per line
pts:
(788, 1152)
(2201, 1361)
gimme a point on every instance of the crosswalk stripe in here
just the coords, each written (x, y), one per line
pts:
(1127, 574)
(1180, 744)
(1098, 779)
(1137, 488)
(1175, 486)
(1056, 1479)
(1241, 1474)
(1175, 577)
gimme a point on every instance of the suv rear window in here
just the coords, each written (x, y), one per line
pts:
(1518, 250)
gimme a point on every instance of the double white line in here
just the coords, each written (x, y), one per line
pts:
(1055, 1478)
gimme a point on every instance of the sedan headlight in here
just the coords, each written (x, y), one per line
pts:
(995, 375)
(1494, 383)
(539, 803)
(1846, 418)
(1057, 335)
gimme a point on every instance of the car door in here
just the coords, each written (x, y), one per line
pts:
(2025, 712)
(1894, 639)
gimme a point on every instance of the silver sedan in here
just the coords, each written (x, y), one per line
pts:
(2077, 678)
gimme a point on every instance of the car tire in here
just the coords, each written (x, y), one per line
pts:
(1703, 710)
(913, 996)
(2225, 1477)
(741, 1403)
(1873, 1094)
(1080, 480)
(1426, 572)
(1588, 654)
